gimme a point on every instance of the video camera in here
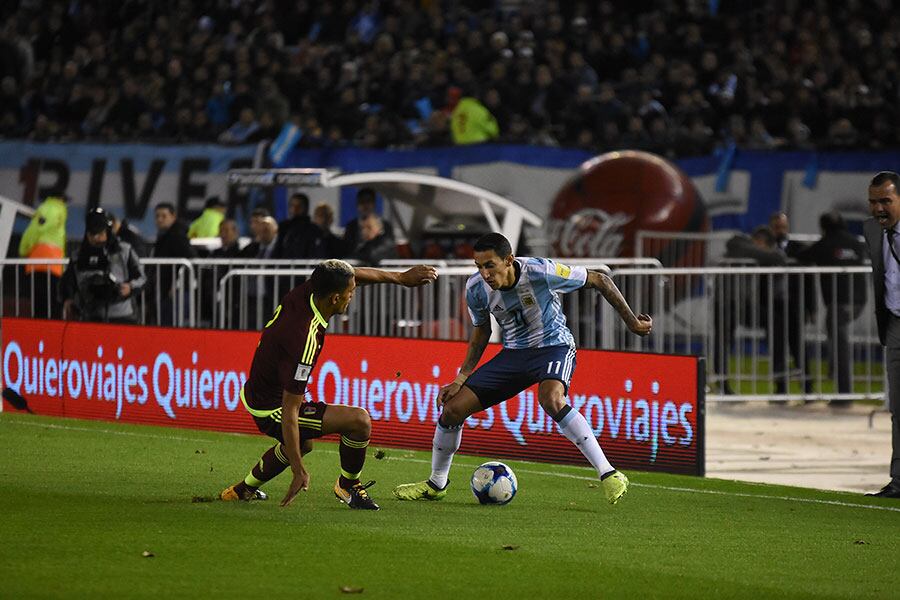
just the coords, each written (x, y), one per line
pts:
(97, 281)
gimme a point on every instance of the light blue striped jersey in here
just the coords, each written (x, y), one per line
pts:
(529, 313)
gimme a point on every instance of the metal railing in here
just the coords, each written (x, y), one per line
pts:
(756, 326)
(768, 333)
(36, 294)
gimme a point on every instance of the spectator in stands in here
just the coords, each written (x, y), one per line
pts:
(802, 290)
(266, 235)
(298, 237)
(96, 78)
(171, 242)
(230, 239)
(259, 291)
(844, 296)
(210, 275)
(257, 216)
(45, 238)
(130, 234)
(376, 245)
(365, 206)
(104, 277)
(331, 246)
(242, 129)
(207, 224)
(472, 123)
(733, 304)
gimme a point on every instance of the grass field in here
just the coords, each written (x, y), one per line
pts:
(81, 502)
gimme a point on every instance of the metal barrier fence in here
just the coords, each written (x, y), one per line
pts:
(756, 326)
(28, 289)
(768, 333)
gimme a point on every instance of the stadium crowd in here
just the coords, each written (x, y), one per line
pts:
(678, 78)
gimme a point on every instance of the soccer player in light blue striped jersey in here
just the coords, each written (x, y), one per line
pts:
(523, 296)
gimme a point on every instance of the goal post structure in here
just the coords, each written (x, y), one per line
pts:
(415, 199)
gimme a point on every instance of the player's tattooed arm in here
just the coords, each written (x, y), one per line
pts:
(478, 341)
(413, 277)
(638, 324)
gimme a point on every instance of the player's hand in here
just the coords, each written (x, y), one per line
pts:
(642, 325)
(124, 289)
(298, 483)
(418, 275)
(447, 392)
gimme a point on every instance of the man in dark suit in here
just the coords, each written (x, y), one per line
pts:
(884, 251)
(791, 319)
(171, 242)
(298, 236)
(844, 296)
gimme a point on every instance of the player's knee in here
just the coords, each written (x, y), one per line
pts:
(453, 414)
(362, 423)
(552, 403)
(306, 446)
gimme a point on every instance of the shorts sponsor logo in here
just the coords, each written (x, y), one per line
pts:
(302, 372)
(497, 308)
(309, 410)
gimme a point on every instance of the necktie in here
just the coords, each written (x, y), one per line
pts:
(890, 242)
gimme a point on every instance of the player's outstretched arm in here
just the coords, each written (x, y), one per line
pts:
(290, 409)
(640, 324)
(478, 341)
(413, 277)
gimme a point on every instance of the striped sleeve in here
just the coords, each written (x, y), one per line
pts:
(477, 301)
(560, 277)
(295, 366)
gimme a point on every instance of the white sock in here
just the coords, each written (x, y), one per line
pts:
(445, 444)
(576, 429)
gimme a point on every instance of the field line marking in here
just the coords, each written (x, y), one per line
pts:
(110, 431)
(693, 490)
(529, 471)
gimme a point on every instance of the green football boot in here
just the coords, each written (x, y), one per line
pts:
(422, 490)
(615, 484)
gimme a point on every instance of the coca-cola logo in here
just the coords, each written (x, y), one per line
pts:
(589, 232)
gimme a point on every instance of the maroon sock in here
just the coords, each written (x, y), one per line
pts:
(270, 465)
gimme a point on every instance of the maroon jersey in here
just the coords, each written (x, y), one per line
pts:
(287, 351)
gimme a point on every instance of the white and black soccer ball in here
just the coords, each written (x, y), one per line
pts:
(494, 483)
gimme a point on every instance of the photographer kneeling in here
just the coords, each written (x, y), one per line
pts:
(101, 281)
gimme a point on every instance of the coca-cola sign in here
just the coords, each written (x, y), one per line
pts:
(589, 232)
(598, 212)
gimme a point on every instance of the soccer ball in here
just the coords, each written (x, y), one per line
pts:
(494, 483)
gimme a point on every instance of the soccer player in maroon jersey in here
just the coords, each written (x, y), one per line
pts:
(273, 394)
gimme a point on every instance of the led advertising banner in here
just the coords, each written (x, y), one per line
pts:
(646, 409)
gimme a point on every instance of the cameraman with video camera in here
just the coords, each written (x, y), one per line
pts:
(102, 279)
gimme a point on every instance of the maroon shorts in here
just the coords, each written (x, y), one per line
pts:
(310, 422)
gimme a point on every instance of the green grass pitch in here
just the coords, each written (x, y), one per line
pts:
(82, 501)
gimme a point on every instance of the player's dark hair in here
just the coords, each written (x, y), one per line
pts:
(165, 206)
(330, 277)
(884, 177)
(493, 241)
(260, 212)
